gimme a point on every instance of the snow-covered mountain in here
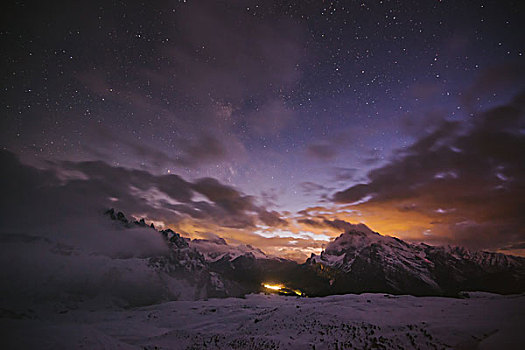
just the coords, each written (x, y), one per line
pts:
(184, 262)
(61, 307)
(217, 249)
(213, 267)
(363, 260)
(245, 265)
(359, 260)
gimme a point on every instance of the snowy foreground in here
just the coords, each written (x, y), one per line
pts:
(367, 321)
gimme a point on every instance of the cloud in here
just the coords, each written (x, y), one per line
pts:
(272, 218)
(311, 223)
(322, 151)
(270, 118)
(340, 225)
(55, 242)
(224, 196)
(202, 149)
(463, 182)
(53, 233)
(311, 187)
(95, 185)
(337, 226)
(493, 80)
(344, 174)
(206, 147)
(223, 69)
(328, 147)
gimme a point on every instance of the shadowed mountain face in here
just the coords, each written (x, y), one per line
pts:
(357, 261)
(365, 261)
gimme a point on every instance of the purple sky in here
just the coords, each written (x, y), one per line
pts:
(279, 112)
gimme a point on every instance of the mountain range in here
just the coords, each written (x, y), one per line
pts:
(359, 260)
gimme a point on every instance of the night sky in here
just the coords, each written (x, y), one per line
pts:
(277, 123)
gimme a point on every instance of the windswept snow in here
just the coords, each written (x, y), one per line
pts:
(367, 321)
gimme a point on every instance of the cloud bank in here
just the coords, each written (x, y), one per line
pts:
(463, 183)
(66, 200)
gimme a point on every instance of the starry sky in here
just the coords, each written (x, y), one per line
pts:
(277, 123)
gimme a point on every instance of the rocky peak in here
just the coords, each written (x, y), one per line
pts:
(174, 238)
(119, 216)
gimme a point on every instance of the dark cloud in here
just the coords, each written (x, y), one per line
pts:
(65, 204)
(322, 151)
(55, 240)
(32, 197)
(311, 187)
(272, 218)
(312, 223)
(344, 174)
(193, 152)
(35, 203)
(206, 147)
(269, 197)
(468, 179)
(342, 141)
(223, 68)
(415, 125)
(336, 225)
(225, 196)
(104, 140)
(354, 193)
(494, 80)
(519, 245)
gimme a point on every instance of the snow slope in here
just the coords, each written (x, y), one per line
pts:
(367, 321)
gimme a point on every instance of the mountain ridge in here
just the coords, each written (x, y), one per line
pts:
(359, 260)
(399, 267)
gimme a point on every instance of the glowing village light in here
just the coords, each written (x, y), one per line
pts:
(273, 286)
(281, 289)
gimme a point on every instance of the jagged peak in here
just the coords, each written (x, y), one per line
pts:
(215, 240)
(171, 236)
(116, 215)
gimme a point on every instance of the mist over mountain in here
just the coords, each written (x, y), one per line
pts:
(359, 260)
(125, 260)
